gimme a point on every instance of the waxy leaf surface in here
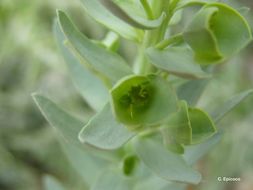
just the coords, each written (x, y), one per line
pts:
(177, 61)
(165, 164)
(103, 131)
(90, 87)
(105, 62)
(102, 15)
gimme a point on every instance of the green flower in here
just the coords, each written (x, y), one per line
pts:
(142, 100)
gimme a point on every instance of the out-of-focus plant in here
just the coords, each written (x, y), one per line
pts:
(147, 132)
(29, 150)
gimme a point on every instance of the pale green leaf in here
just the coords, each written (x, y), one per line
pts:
(107, 63)
(80, 157)
(104, 132)
(225, 108)
(177, 61)
(90, 87)
(65, 124)
(95, 9)
(112, 179)
(167, 165)
(194, 152)
(85, 162)
(192, 90)
(134, 20)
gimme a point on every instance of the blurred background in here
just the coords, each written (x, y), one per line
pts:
(31, 157)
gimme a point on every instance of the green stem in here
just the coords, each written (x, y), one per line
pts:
(172, 40)
(151, 37)
(147, 9)
(169, 9)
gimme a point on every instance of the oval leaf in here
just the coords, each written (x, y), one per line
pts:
(102, 131)
(109, 64)
(177, 61)
(167, 165)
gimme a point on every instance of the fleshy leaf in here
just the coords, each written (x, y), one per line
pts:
(216, 33)
(194, 152)
(134, 20)
(80, 157)
(96, 10)
(165, 164)
(103, 131)
(201, 124)
(192, 90)
(222, 110)
(177, 61)
(112, 180)
(142, 100)
(65, 124)
(107, 63)
(90, 87)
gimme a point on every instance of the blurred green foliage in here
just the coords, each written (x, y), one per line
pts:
(29, 60)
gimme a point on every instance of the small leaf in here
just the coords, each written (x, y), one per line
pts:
(216, 33)
(201, 124)
(192, 90)
(177, 61)
(129, 164)
(109, 64)
(133, 20)
(222, 110)
(142, 100)
(194, 152)
(112, 180)
(87, 84)
(167, 165)
(104, 132)
(96, 10)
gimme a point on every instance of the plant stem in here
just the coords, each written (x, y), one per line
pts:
(151, 37)
(147, 9)
(172, 40)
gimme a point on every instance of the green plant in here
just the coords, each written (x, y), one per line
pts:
(146, 118)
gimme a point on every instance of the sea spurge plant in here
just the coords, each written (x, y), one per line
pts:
(146, 116)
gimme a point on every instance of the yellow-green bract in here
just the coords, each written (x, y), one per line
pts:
(216, 33)
(139, 100)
